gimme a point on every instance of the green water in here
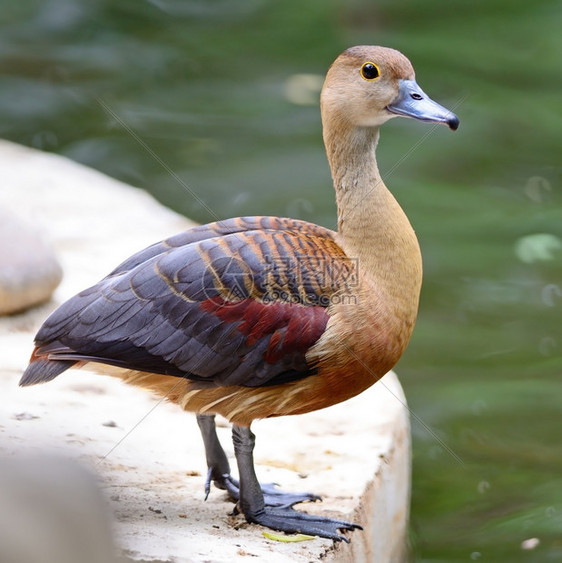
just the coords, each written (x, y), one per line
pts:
(188, 99)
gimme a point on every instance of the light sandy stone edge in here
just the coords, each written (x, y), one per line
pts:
(356, 454)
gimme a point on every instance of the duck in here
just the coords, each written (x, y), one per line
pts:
(258, 317)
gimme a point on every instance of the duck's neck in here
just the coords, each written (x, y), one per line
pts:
(372, 228)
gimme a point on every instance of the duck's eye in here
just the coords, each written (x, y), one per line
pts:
(370, 71)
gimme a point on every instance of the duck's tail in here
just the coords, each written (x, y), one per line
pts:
(41, 370)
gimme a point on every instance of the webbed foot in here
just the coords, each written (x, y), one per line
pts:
(289, 520)
(272, 495)
(278, 517)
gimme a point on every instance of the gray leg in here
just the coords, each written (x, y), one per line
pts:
(217, 462)
(219, 470)
(284, 518)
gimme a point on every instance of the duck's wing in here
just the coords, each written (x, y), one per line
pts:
(240, 308)
(223, 228)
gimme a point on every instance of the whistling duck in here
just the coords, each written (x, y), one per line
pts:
(259, 317)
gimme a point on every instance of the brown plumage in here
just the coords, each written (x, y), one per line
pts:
(261, 316)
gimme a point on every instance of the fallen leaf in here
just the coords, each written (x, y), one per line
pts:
(287, 539)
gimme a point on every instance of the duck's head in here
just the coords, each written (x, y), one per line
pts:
(367, 86)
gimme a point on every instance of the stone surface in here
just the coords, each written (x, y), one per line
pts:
(147, 453)
(29, 269)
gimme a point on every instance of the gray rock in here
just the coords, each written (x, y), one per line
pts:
(29, 269)
(52, 510)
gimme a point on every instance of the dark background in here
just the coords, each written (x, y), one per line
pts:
(202, 104)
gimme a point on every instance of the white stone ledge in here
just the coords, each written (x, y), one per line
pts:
(356, 454)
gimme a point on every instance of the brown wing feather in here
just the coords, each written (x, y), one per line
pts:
(240, 308)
